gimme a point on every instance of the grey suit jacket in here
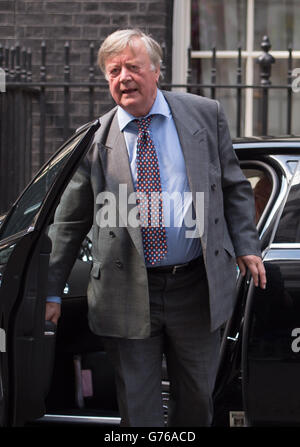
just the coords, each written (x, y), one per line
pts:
(118, 294)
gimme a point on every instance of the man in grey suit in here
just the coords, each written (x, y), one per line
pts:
(175, 302)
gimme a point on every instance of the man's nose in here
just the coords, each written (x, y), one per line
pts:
(125, 74)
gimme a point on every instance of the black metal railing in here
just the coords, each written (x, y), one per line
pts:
(25, 118)
(265, 62)
(31, 127)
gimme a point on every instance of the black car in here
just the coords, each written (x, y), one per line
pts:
(62, 375)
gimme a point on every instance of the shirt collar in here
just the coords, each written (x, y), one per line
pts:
(160, 107)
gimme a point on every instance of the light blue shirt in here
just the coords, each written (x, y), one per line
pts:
(177, 210)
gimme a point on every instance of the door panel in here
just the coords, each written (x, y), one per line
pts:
(271, 358)
(27, 362)
(33, 345)
(228, 388)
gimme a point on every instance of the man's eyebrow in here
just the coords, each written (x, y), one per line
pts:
(112, 67)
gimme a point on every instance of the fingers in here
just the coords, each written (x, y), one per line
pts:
(262, 274)
(252, 266)
(52, 312)
(256, 268)
(242, 266)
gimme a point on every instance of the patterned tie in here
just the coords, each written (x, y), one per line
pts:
(149, 195)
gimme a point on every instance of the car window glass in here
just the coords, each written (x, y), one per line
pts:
(261, 184)
(288, 230)
(4, 256)
(29, 204)
(292, 164)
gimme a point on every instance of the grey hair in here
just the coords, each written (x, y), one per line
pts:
(118, 41)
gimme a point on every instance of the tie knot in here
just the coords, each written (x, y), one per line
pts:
(143, 123)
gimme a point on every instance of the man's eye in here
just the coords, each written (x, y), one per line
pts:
(113, 72)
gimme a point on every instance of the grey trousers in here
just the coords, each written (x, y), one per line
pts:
(180, 329)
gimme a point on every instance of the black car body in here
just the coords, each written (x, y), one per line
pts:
(63, 375)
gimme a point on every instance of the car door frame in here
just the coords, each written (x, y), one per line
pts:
(24, 260)
(232, 337)
(269, 255)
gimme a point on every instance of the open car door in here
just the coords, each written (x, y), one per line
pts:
(233, 374)
(271, 333)
(26, 341)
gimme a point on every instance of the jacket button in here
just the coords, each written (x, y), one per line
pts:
(213, 187)
(119, 264)
(216, 252)
(112, 234)
(216, 220)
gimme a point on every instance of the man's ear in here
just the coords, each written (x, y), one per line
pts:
(157, 73)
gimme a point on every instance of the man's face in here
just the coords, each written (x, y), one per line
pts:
(132, 79)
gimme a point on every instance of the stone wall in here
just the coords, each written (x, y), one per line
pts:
(80, 23)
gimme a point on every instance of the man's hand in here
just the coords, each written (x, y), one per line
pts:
(256, 267)
(52, 312)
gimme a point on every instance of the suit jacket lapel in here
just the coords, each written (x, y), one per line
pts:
(115, 162)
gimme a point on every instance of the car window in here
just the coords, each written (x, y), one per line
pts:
(4, 256)
(28, 206)
(262, 185)
(288, 230)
